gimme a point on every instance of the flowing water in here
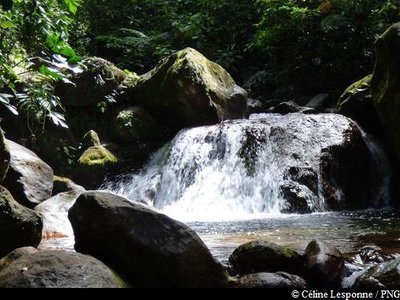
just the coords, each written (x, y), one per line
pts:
(224, 182)
(235, 170)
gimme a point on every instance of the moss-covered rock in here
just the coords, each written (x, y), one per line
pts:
(92, 85)
(19, 226)
(264, 256)
(385, 83)
(186, 89)
(93, 165)
(4, 156)
(27, 268)
(135, 124)
(356, 103)
(97, 156)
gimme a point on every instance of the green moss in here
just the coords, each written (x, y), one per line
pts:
(97, 156)
(360, 85)
(58, 179)
(186, 89)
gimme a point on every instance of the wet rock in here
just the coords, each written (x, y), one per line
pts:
(297, 198)
(264, 256)
(149, 249)
(356, 103)
(346, 172)
(324, 265)
(186, 89)
(27, 268)
(270, 280)
(305, 176)
(19, 226)
(4, 156)
(29, 179)
(385, 84)
(384, 275)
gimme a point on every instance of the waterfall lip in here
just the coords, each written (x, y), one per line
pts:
(235, 170)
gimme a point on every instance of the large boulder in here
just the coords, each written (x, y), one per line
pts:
(29, 179)
(356, 103)
(186, 89)
(4, 156)
(264, 256)
(324, 265)
(19, 226)
(385, 84)
(340, 189)
(92, 85)
(148, 248)
(93, 166)
(279, 280)
(29, 268)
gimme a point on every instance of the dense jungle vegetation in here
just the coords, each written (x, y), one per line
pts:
(285, 49)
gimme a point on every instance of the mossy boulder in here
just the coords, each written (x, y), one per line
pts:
(134, 125)
(93, 165)
(4, 156)
(27, 268)
(385, 84)
(91, 85)
(19, 226)
(29, 179)
(264, 256)
(186, 89)
(356, 103)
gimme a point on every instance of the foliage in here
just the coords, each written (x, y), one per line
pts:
(137, 33)
(32, 32)
(276, 48)
(308, 45)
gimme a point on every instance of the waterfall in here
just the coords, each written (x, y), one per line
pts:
(238, 169)
(382, 175)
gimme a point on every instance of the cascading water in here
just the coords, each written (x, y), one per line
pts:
(236, 170)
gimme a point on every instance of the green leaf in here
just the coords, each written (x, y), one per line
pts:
(5, 24)
(72, 5)
(53, 73)
(75, 59)
(58, 46)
